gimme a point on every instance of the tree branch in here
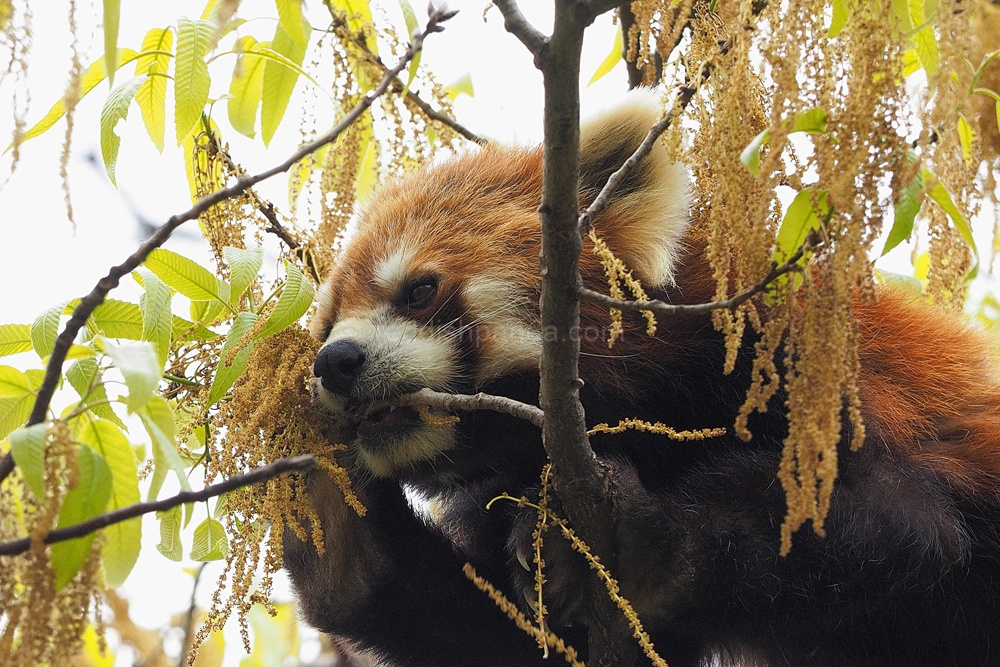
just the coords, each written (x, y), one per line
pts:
(674, 310)
(278, 467)
(162, 233)
(515, 23)
(472, 402)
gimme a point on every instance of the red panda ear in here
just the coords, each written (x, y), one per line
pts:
(648, 213)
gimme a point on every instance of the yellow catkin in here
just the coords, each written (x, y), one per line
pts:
(658, 428)
(538, 537)
(617, 273)
(545, 637)
(437, 421)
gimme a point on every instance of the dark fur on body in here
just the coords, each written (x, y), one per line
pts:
(907, 574)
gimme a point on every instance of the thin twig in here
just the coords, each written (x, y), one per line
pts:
(733, 302)
(262, 474)
(473, 402)
(87, 305)
(189, 619)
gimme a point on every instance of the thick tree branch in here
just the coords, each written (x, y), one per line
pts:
(472, 402)
(516, 24)
(162, 233)
(674, 310)
(279, 467)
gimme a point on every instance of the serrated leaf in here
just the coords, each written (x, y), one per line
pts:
(923, 37)
(116, 109)
(226, 374)
(140, 367)
(92, 76)
(185, 330)
(296, 297)
(86, 501)
(152, 95)
(244, 265)
(45, 330)
(187, 276)
(15, 410)
(84, 377)
(123, 539)
(965, 137)
(939, 193)
(840, 14)
(905, 212)
(911, 63)
(170, 534)
(157, 320)
(206, 311)
(462, 84)
(610, 61)
(118, 319)
(27, 445)
(801, 218)
(210, 542)
(79, 352)
(158, 419)
(191, 79)
(14, 339)
(246, 87)
(112, 14)
(13, 383)
(279, 82)
(292, 21)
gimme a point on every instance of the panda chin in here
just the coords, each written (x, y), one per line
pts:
(392, 443)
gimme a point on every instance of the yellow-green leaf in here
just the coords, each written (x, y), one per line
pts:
(291, 19)
(86, 501)
(923, 37)
(840, 14)
(15, 410)
(244, 265)
(152, 95)
(410, 17)
(802, 217)
(965, 136)
(27, 445)
(911, 63)
(359, 15)
(279, 82)
(462, 84)
(124, 538)
(751, 154)
(158, 418)
(187, 276)
(118, 319)
(170, 534)
(210, 541)
(116, 109)
(112, 14)
(246, 87)
(367, 169)
(939, 193)
(296, 297)
(139, 366)
(14, 339)
(13, 383)
(84, 376)
(191, 79)
(227, 373)
(92, 76)
(610, 61)
(299, 174)
(45, 330)
(905, 212)
(157, 320)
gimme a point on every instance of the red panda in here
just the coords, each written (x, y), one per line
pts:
(439, 288)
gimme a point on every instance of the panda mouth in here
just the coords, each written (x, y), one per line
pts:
(386, 416)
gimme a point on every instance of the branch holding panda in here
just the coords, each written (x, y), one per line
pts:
(472, 402)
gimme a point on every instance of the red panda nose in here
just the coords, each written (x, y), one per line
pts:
(337, 365)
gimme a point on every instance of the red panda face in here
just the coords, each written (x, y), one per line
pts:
(439, 286)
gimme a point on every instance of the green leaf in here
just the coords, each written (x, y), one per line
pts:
(116, 109)
(965, 136)
(939, 193)
(158, 418)
(187, 276)
(841, 13)
(226, 374)
(92, 76)
(244, 265)
(800, 219)
(157, 320)
(27, 445)
(210, 542)
(923, 37)
(124, 538)
(206, 311)
(296, 297)
(45, 330)
(359, 16)
(246, 87)
(905, 212)
(811, 121)
(410, 17)
(13, 383)
(191, 79)
(279, 82)
(751, 154)
(292, 21)
(14, 339)
(112, 14)
(118, 319)
(185, 330)
(84, 502)
(911, 62)
(84, 376)
(462, 84)
(170, 534)
(610, 61)
(141, 368)
(152, 95)
(15, 410)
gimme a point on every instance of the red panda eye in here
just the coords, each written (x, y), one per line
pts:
(421, 294)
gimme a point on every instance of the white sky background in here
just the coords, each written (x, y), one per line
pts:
(45, 261)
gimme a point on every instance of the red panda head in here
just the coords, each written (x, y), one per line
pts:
(439, 286)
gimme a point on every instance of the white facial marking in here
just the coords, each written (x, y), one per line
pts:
(507, 325)
(392, 270)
